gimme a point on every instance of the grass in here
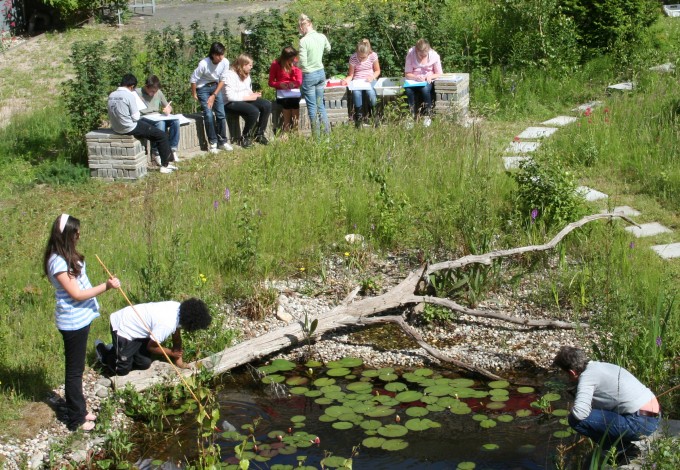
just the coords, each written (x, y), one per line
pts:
(439, 191)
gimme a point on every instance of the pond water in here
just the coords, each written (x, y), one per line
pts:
(406, 419)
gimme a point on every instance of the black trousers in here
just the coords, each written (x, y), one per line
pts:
(75, 347)
(254, 113)
(155, 135)
(127, 355)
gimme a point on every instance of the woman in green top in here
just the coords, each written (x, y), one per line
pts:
(312, 46)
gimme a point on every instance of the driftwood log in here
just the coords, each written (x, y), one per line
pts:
(365, 312)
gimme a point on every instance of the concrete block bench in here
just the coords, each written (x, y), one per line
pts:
(113, 156)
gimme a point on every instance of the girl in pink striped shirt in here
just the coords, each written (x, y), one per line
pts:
(363, 65)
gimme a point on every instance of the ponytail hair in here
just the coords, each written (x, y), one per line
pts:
(288, 55)
(304, 23)
(364, 47)
(63, 237)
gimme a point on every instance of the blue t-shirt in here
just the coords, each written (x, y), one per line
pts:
(70, 314)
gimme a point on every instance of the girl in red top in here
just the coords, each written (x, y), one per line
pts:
(284, 75)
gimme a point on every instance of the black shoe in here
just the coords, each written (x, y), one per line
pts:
(260, 139)
(246, 142)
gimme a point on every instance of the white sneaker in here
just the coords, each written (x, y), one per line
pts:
(175, 155)
(225, 146)
(157, 159)
(172, 167)
(166, 169)
(427, 122)
(213, 148)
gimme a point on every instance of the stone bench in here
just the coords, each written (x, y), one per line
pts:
(114, 156)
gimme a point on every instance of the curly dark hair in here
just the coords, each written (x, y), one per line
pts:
(194, 315)
(570, 358)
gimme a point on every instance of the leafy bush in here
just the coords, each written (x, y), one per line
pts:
(547, 192)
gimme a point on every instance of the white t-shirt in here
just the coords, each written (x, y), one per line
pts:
(161, 317)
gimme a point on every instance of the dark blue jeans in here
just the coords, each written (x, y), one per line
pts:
(215, 126)
(425, 93)
(172, 126)
(610, 428)
(75, 347)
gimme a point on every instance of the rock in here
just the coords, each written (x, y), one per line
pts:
(102, 392)
(353, 238)
(104, 382)
(79, 455)
(282, 315)
(36, 460)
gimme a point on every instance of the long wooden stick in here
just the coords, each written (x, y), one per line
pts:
(153, 337)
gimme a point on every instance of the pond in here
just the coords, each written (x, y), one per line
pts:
(384, 419)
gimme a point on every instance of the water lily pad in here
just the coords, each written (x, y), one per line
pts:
(461, 409)
(499, 391)
(417, 424)
(435, 407)
(337, 410)
(523, 413)
(505, 418)
(466, 466)
(394, 444)
(359, 386)
(274, 378)
(386, 370)
(490, 446)
(500, 398)
(380, 411)
(299, 390)
(551, 396)
(233, 436)
(388, 377)
(564, 422)
(324, 401)
(351, 362)
(342, 425)
(417, 411)
(327, 418)
(412, 377)
(488, 423)
(408, 396)
(283, 365)
(313, 393)
(392, 430)
(338, 372)
(313, 364)
(371, 424)
(297, 380)
(373, 442)
(370, 373)
(560, 412)
(525, 390)
(429, 399)
(330, 388)
(324, 381)
(351, 417)
(396, 387)
(335, 364)
(275, 433)
(334, 461)
(447, 402)
(339, 396)
(495, 405)
(462, 383)
(498, 384)
(268, 369)
(561, 434)
(439, 390)
(350, 377)
(479, 417)
(423, 372)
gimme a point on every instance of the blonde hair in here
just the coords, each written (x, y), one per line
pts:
(305, 23)
(240, 62)
(364, 47)
(422, 45)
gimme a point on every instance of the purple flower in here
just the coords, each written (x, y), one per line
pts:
(534, 214)
(658, 341)
(632, 245)
(215, 204)
(355, 226)
(227, 194)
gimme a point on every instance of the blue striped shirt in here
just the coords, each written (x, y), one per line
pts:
(70, 314)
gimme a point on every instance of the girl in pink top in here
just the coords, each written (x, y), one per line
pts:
(285, 75)
(363, 65)
(422, 65)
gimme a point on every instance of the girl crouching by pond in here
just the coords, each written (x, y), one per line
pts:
(75, 310)
(242, 101)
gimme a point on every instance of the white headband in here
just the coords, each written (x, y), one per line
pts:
(62, 222)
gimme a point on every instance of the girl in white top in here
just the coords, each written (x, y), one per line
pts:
(75, 310)
(364, 66)
(240, 99)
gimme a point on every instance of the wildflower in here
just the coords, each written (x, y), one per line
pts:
(290, 430)
(279, 437)
(317, 441)
(588, 112)
(302, 269)
(658, 341)
(227, 194)
(215, 204)
(632, 245)
(372, 227)
(516, 139)
(398, 419)
(534, 215)
(346, 253)
(606, 110)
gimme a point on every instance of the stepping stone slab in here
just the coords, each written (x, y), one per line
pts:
(625, 86)
(624, 210)
(663, 68)
(560, 121)
(584, 107)
(590, 194)
(512, 163)
(670, 251)
(648, 230)
(522, 147)
(537, 132)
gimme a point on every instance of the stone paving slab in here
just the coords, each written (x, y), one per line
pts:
(669, 251)
(560, 121)
(522, 147)
(537, 132)
(625, 210)
(624, 86)
(663, 68)
(584, 107)
(512, 163)
(648, 230)
(590, 194)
